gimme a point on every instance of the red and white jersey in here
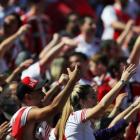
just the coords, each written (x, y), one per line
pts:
(18, 122)
(86, 48)
(39, 35)
(109, 15)
(78, 128)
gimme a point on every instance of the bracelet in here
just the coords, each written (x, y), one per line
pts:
(59, 84)
(122, 81)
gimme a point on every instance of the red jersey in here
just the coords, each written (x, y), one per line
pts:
(39, 35)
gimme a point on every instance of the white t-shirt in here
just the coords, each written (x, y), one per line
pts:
(34, 71)
(86, 48)
(108, 17)
(78, 128)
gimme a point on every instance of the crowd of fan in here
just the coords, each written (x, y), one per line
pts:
(69, 69)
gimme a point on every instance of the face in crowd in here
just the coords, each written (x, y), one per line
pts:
(89, 26)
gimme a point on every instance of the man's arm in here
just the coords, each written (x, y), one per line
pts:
(7, 43)
(24, 65)
(62, 81)
(43, 114)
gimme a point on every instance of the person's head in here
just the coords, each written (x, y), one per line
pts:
(116, 66)
(88, 25)
(123, 3)
(110, 48)
(72, 22)
(82, 96)
(9, 106)
(98, 64)
(9, 89)
(4, 2)
(11, 24)
(39, 5)
(80, 59)
(58, 66)
(29, 91)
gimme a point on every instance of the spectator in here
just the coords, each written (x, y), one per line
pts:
(114, 19)
(87, 42)
(40, 33)
(71, 25)
(5, 10)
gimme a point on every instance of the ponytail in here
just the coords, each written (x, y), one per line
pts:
(67, 110)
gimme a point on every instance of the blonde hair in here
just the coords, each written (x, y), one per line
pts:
(57, 67)
(73, 104)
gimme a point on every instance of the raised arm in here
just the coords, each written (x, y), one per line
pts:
(54, 52)
(43, 114)
(110, 96)
(7, 43)
(62, 81)
(55, 40)
(118, 104)
(125, 112)
(128, 27)
(24, 65)
(135, 54)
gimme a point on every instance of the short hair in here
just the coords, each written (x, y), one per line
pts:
(18, 18)
(105, 44)
(82, 19)
(66, 19)
(115, 64)
(83, 56)
(132, 42)
(6, 89)
(99, 57)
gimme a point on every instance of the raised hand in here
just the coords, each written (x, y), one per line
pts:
(64, 78)
(23, 29)
(136, 102)
(128, 73)
(119, 99)
(4, 130)
(74, 75)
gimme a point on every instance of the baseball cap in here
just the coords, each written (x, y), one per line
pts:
(28, 85)
(9, 107)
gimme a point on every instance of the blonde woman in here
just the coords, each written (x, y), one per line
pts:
(82, 107)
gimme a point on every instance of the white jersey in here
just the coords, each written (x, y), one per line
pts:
(86, 48)
(78, 128)
(34, 71)
(18, 123)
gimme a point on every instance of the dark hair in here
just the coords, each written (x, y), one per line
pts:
(105, 44)
(34, 1)
(83, 56)
(18, 18)
(115, 64)
(99, 57)
(82, 19)
(6, 73)
(66, 19)
(132, 42)
(6, 89)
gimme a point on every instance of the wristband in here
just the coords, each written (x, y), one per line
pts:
(59, 84)
(122, 81)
